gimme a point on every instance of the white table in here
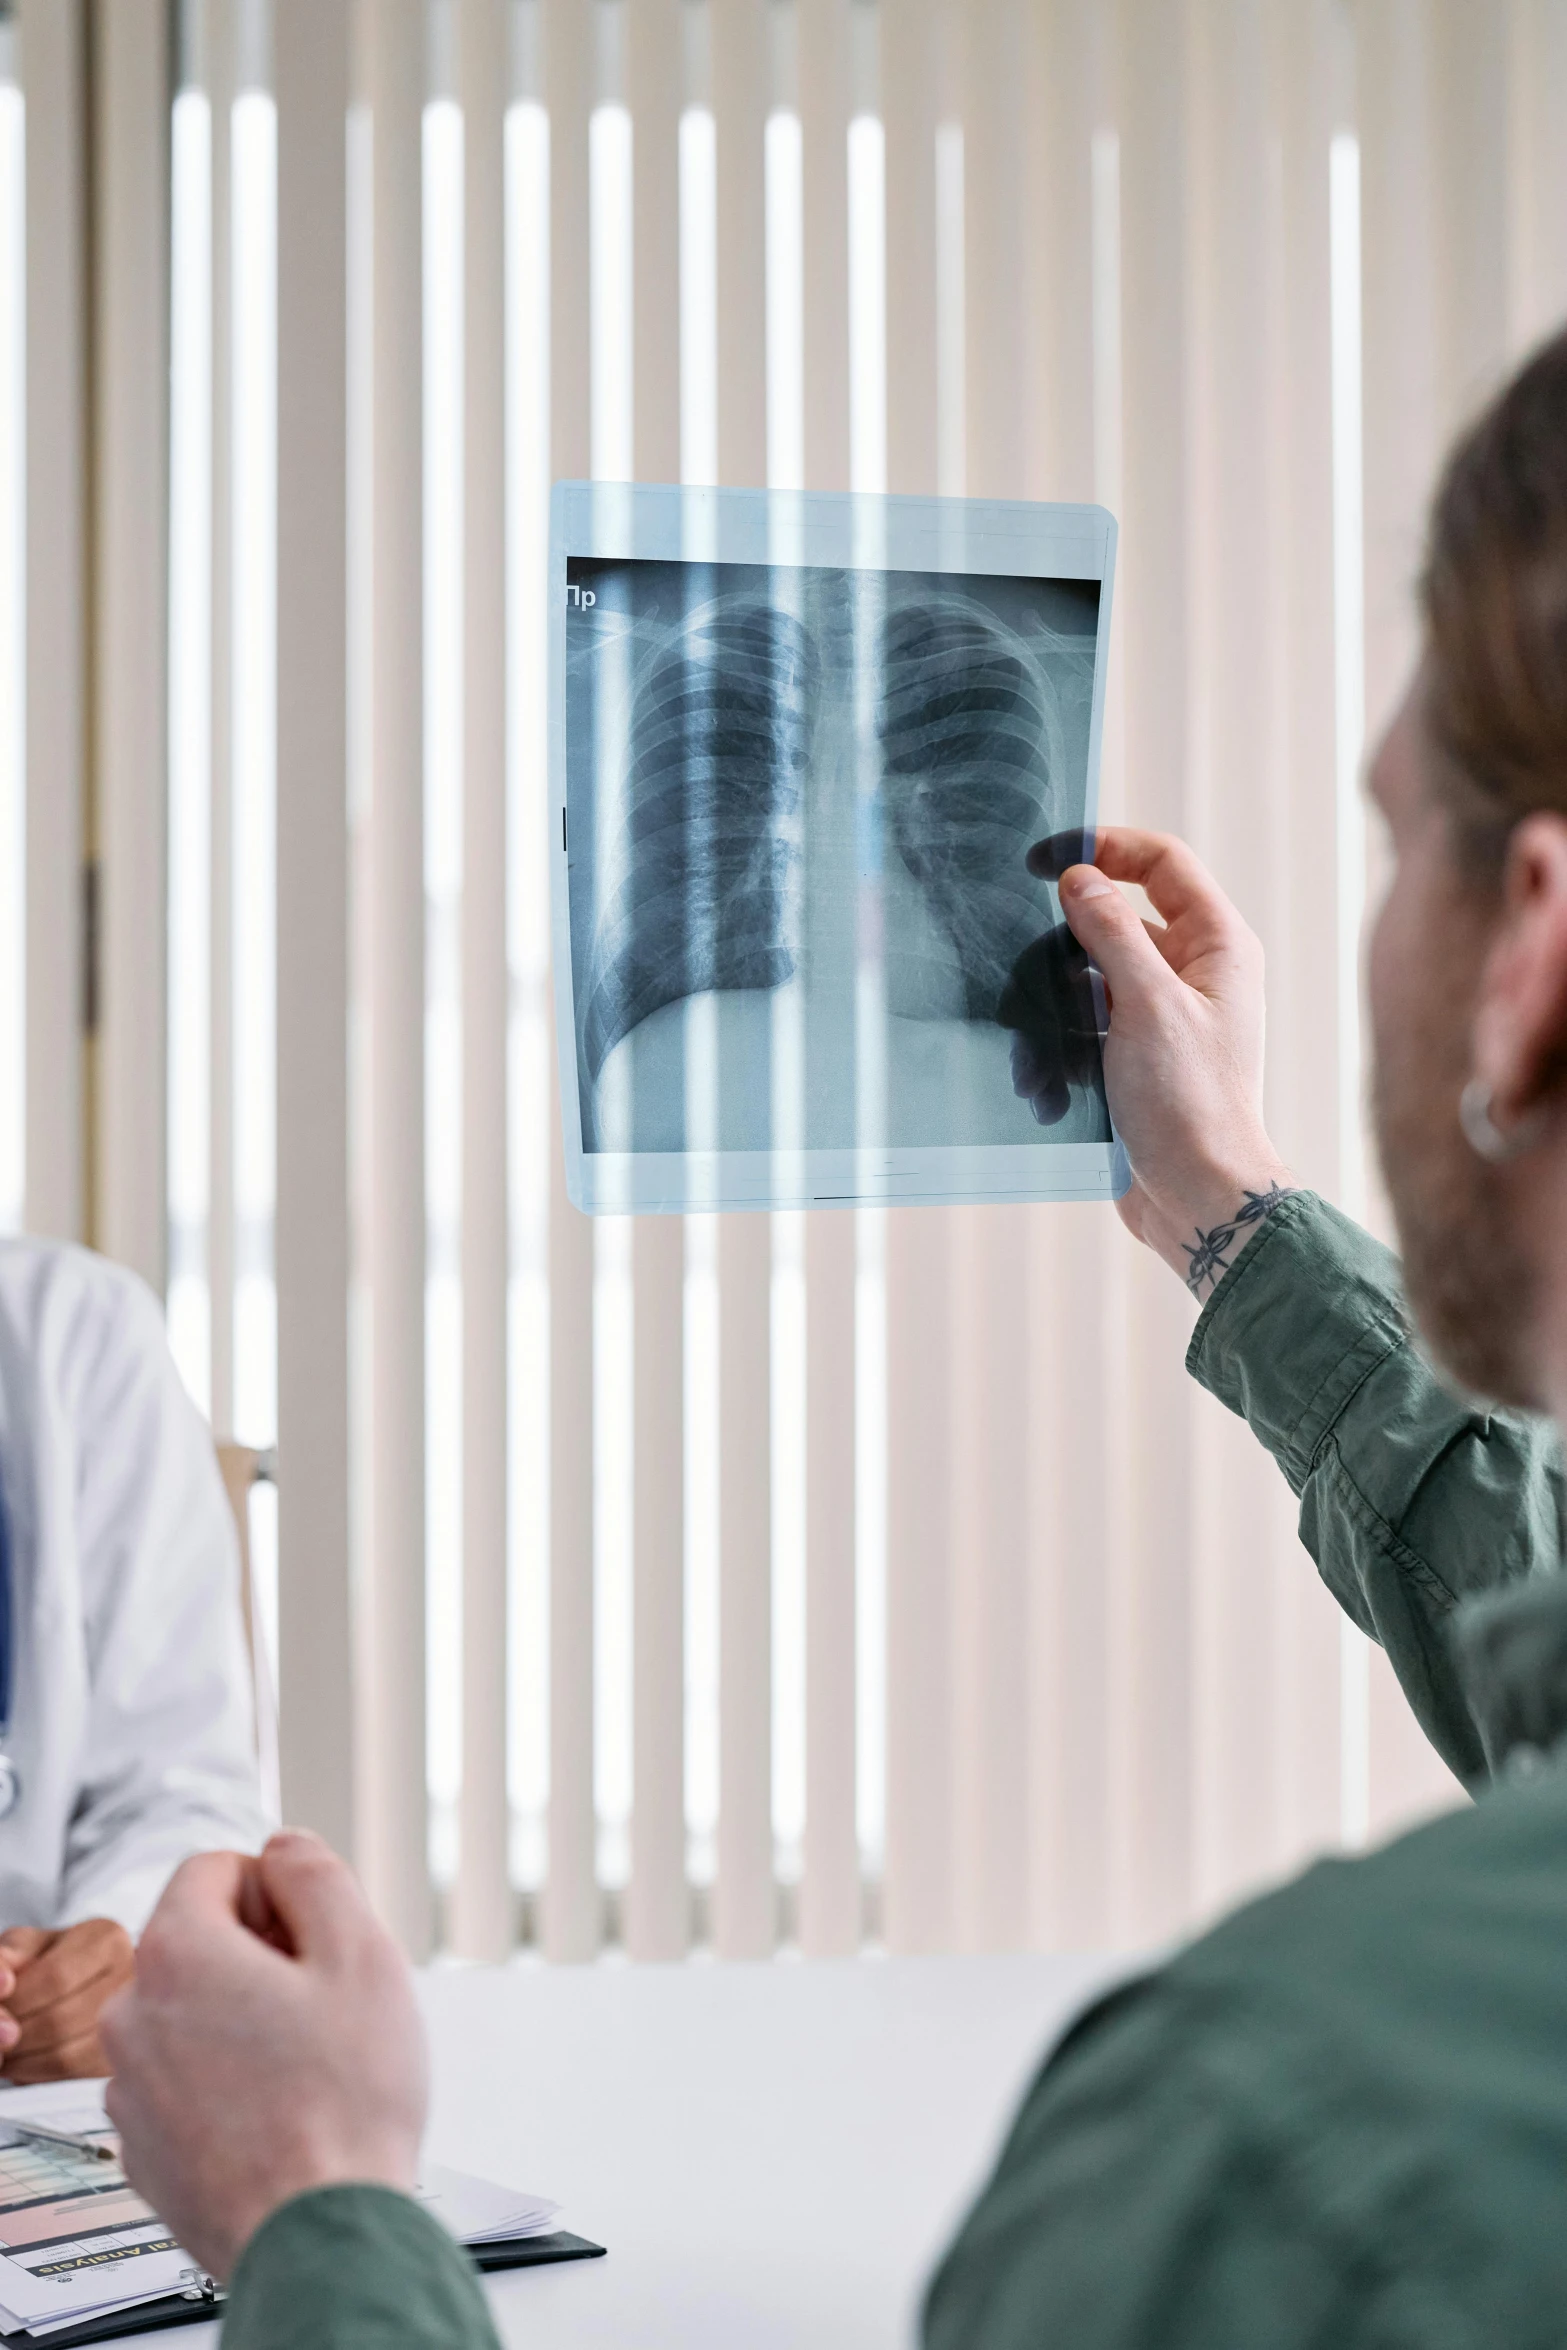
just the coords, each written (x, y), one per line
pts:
(772, 2153)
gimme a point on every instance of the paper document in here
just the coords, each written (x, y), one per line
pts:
(476, 2211)
(77, 2242)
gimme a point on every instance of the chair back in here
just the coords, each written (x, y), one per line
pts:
(243, 1468)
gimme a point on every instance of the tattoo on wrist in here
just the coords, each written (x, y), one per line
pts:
(1210, 1254)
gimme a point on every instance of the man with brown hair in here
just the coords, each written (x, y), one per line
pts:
(1340, 2120)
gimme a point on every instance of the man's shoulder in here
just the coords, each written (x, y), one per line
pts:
(1390, 2034)
(1483, 1885)
(1345, 2106)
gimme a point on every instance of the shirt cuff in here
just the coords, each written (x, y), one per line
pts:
(1310, 1308)
(354, 2264)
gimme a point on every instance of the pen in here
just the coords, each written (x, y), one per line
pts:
(77, 2141)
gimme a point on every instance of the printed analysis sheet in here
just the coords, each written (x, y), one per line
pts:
(77, 2242)
(75, 2239)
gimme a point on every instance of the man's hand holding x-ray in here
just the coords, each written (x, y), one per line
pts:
(1183, 1059)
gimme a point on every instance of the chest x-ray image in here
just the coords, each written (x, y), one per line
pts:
(804, 948)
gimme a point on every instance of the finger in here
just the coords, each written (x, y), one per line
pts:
(1175, 877)
(203, 1892)
(77, 2060)
(1048, 1002)
(197, 1919)
(73, 2017)
(19, 1945)
(18, 1949)
(316, 1897)
(81, 1965)
(76, 1956)
(1046, 1092)
(1114, 935)
(256, 1912)
(1048, 859)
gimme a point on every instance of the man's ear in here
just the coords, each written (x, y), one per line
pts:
(1520, 1028)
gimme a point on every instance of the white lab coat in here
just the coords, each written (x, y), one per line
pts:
(131, 1723)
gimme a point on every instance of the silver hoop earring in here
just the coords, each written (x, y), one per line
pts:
(1484, 1137)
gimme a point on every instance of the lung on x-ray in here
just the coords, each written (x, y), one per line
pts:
(801, 749)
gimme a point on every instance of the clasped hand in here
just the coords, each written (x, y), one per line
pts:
(53, 1985)
(269, 2045)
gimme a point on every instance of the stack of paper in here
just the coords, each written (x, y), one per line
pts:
(78, 2245)
(75, 2242)
(476, 2211)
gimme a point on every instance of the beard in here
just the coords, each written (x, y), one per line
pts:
(1470, 1283)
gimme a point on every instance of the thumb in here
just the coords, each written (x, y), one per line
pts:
(20, 1943)
(17, 1945)
(1110, 930)
(198, 1910)
(203, 1892)
(314, 1896)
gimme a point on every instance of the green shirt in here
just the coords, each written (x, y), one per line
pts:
(1413, 1504)
(1338, 2122)
(355, 2268)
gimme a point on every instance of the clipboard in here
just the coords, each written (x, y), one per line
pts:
(200, 2309)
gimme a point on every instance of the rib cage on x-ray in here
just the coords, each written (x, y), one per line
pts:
(708, 855)
(705, 865)
(971, 743)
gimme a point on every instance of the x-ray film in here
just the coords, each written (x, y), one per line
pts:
(800, 749)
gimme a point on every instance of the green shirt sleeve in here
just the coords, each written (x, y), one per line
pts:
(355, 2268)
(1412, 1501)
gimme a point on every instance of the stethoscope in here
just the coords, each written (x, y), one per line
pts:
(10, 1779)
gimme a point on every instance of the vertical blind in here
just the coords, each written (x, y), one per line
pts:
(740, 1580)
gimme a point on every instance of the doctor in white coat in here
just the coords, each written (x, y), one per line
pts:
(126, 1733)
